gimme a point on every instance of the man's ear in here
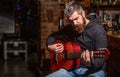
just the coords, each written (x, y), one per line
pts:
(83, 13)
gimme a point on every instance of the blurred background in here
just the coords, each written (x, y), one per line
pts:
(26, 24)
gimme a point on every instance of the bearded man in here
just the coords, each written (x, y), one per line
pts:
(85, 30)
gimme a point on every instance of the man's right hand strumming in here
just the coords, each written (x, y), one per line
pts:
(56, 48)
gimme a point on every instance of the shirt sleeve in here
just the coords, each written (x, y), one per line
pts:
(63, 34)
(100, 42)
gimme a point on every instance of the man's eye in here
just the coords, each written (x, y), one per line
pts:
(69, 20)
(76, 18)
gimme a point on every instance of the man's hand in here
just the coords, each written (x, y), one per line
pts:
(57, 48)
(86, 57)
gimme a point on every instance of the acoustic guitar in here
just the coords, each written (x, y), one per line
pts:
(70, 57)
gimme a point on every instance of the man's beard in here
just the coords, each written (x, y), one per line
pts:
(79, 28)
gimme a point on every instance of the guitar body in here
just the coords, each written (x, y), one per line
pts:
(61, 62)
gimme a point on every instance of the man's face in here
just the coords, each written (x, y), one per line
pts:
(78, 22)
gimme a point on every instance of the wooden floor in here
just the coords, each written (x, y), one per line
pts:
(14, 67)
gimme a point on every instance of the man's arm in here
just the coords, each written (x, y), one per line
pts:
(100, 42)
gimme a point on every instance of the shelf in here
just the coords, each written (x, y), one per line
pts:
(107, 7)
(115, 7)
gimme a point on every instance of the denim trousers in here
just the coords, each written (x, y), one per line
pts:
(76, 73)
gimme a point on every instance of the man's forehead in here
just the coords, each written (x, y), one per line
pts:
(74, 15)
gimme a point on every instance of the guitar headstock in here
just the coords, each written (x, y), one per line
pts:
(102, 53)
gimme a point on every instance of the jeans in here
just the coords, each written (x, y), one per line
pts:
(76, 73)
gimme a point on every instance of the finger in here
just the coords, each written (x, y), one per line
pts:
(88, 60)
(58, 44)
(59, 49)
(87, 55)
(83, 55)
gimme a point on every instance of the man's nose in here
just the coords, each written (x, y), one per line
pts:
(74, 22)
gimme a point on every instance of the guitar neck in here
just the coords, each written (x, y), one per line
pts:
(73, 55)
(96, 54)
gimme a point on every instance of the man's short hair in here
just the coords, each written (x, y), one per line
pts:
(71, 7)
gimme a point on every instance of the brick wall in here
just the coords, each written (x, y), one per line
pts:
(50, 13)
